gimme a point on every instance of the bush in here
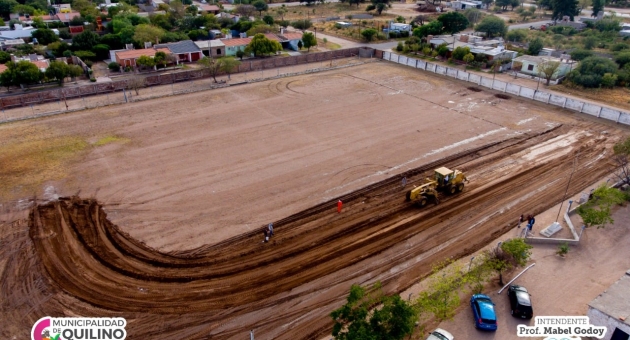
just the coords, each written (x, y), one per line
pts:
(563, 249)
(101, 51)
(460, 52)
(89, 63)
(609, 80)
(114, 66)
(591, 71)
(400, 47)
(622, 58)
(580, 54)
(619, 47)
(85, 55)
(93, 80)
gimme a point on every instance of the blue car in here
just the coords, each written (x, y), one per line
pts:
(483, 311)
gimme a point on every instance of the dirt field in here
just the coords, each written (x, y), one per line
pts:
(198, 176)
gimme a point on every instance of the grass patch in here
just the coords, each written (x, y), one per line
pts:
(110, 139)
(32, 156)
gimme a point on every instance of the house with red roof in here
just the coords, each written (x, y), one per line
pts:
(128, 57)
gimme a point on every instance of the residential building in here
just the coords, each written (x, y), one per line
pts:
(493, 49)
(234, 45)
(611, 309)
(213, 9)
(185, 50)
(466, 4)
(530, 66)
(128, 57)
(212, 48)
(396, 26)
(290, 40)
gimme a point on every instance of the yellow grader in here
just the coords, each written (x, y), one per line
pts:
(445, 180)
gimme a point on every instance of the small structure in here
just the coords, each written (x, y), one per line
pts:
(67, 17)
(611, 309)
(185, 50)
(290, 40)
(20, 32)
(343, 24)
(128, 57)
(213, 9)
(396, 26)
(11, 43)
(530, 66)
(234, 45)
(212, 48)
(492, 49)
(465, 4)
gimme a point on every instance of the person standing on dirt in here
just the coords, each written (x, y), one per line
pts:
(520, 220)
(270, 227)
(532, 220)
(266, 235)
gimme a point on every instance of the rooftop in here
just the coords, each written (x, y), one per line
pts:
(537, 59)
(615, 302)
(133, 54)
(236, 41)
(209, 43)
(184, 46)
(66, 17)
(209, 8)
(291, 36)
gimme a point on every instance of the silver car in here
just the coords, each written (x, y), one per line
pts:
(440, 334)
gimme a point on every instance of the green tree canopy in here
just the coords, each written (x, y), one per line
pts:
(432, 28)
(261, 45)
(460, 52)
(535, 46)
(85, 41)
(622, 58)
(147, 33)
(145, 61)
(453, 22)
(22, 72)
(45, 36)
(580, 54)
(6, 7)
(309, 40)
(597, 211)
(598, 6)
(57, 70)
(302, 24)
(517, 35)
(492, 26)
(391, 317)
(369, 34)
(564, 7)
(260, 6)
(590, 71)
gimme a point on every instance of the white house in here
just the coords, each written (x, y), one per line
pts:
(396, 26)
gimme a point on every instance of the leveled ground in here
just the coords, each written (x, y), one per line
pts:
(211, 168)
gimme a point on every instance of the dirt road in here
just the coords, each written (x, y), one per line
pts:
(77, 262)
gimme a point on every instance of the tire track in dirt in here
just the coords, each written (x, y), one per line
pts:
(224, 289)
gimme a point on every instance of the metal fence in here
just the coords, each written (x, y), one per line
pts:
(517, 90)
(66, 99)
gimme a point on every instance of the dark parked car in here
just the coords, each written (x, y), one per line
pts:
(520, 303)
(483, 311)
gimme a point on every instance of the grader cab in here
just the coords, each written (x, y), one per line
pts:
(444, 180)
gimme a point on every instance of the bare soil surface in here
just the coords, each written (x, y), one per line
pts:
(171, 240)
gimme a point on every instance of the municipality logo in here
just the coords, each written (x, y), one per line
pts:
(48, 328)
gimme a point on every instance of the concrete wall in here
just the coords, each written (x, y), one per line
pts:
(514, 89)
(598, 318)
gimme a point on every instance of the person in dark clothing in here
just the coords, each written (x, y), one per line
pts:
(266, 234)
(520, 220)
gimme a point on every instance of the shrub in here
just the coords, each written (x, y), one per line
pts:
(591, 71)
(93, 80)
(580, 54)
(114, 66)
(563, 249)
(609, 80)
(400, 47)
(619, 47)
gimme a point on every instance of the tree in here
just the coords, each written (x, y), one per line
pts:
(460, 52)
(596, 211)
(564, 7)
(147, 33)
(525, 12)
(6, 7)
(622, 58)
(45, 36)
(245, 10)
(228, 65)
(442, 296)
(309, 40)
(518, 249)
(622, 160)
(101, 51)
(85, 41)
(4, 57)
(211, 66)
(469, 58)
(432, 28)
(261, 45)
(302, 24)
(499, 261)
(300, 44)
(282, 11)
(420, 19)
(583, 4)
(609, 80)
(590, 71)
(268, 19)
(135, 83)
(517, 35)
(473, 15)
(580, 54)
(20, 73)
(492, 26)
(368, 34)
(535, 46)
(453, 22)
(260, 6)
(240, 54)
(145, 61)
(547, 69)
(391, 317)
(57, 70)
(380, 7)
